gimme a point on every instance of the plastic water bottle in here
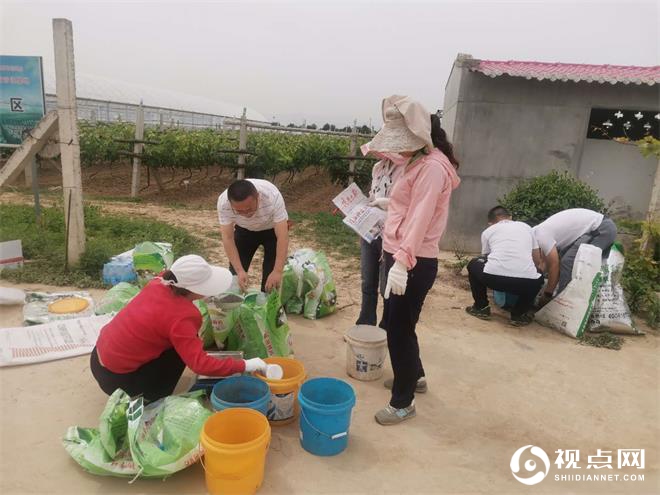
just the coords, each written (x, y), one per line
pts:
(117, 270)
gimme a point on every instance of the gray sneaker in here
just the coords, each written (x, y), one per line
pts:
(392, 416)
(420, 388)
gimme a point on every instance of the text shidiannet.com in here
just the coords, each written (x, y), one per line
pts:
(599, 477)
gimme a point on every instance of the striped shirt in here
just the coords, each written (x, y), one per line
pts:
(270, 209)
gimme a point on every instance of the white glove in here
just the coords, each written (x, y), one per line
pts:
(255, 364)
(397, 280)
(381, 203)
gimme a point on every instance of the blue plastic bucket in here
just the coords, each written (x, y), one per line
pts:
(505, 299)
(241, 391)
(325, 415)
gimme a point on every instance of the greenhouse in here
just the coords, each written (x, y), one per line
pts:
(110, 100)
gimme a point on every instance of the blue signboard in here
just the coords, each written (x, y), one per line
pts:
(22, 103)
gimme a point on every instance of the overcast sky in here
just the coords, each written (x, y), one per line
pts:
(326, 61)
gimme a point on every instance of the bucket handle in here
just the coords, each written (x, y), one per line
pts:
(331, 437)
(200, 450)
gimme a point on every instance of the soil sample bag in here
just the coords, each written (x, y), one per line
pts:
(224, 311)
(132, 440)
(104, 451)
(262, 329)
(113, 425)
(319, 286)
(164, 436)
(206, 330)
(569, 311)
(219, 316)
(151, 258)
(307, 285)
(293, 289)
(116, 298)
(611, 312)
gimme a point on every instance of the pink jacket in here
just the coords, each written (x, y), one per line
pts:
(418, 209)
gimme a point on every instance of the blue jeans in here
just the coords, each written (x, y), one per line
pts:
(372, 276)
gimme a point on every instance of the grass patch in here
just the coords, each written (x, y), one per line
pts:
(107, 235)
(328, 231)
(605, 339)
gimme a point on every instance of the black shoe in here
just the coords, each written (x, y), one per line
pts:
(521, 320)
(483, 313)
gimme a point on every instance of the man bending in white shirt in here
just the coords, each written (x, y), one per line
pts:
(558, 239)
(252, 214)
(506, 265)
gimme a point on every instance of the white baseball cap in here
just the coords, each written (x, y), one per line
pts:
(192, 272)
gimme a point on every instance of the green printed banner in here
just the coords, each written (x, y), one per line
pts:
(22, 103)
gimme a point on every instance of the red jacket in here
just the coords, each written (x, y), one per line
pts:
(154, 321)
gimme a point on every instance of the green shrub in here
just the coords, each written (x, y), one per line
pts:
(534, 200)
(107, 235)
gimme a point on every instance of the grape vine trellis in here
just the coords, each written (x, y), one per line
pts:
(271, 153)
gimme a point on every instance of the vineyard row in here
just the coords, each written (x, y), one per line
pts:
(269, 153)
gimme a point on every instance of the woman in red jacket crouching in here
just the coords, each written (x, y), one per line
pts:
(146, 346)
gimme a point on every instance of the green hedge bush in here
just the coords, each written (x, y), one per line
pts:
(534, 200)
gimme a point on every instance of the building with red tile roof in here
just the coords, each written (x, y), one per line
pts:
(511, 120)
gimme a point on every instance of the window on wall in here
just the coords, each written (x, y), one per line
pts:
(608, 123)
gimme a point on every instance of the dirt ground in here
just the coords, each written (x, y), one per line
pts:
(493, 388)
(307, 191)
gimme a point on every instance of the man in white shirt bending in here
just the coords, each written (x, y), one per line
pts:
(506, 265)
(558, 240)
(252, 214)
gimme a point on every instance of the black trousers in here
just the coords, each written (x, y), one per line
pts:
(400, 316)
(153, 380)
(372, 277)
(525, 288)
(247, 243)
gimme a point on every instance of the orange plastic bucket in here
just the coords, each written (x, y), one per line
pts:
(283, 407)
(235, 443)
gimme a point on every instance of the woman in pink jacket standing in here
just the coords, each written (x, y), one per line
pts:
(416, 219)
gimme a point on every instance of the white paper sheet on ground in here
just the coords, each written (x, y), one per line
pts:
(50, 341)
(569, 311)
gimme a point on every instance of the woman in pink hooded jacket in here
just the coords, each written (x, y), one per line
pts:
(416, 219)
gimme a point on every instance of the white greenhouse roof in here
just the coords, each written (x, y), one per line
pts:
(105, 89)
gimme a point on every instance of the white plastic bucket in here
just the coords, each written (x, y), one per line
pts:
(366, 350)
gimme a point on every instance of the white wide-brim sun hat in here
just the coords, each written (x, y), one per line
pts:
(406, 127)
(193, 273)
(394, 136)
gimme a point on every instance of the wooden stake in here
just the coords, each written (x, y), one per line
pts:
(159, 181)
(242, 146)
(137, 151)
(35, 189)
(352, 152)
(27, 171)
(65, 81)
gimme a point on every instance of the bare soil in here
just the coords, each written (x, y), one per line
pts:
(305, 192)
